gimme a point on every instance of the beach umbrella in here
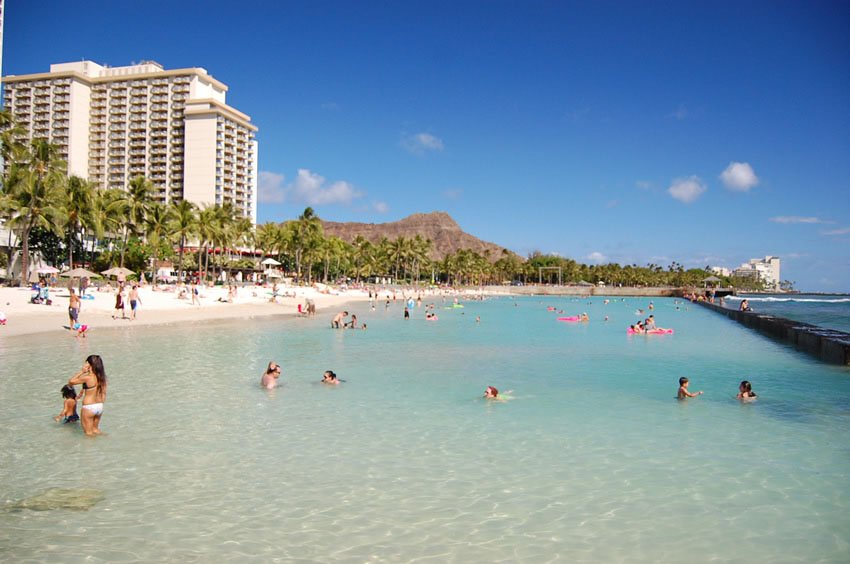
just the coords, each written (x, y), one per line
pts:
(118, 271)
(79, 273)
(270, 262)
(47, 270)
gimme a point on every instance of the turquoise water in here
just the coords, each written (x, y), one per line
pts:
(592, 460)
(830, 311)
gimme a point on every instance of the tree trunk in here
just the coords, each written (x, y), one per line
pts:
(71, 250)
(180, 265)
(25, 255)
(124, 246)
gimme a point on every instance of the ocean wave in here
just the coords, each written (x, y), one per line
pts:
(801, 300)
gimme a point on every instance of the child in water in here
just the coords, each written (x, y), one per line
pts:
(683, 390)
(745, 391)
(69, 405)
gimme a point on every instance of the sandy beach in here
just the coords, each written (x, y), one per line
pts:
(161, 306)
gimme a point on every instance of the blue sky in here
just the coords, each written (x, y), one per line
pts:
(629, 132)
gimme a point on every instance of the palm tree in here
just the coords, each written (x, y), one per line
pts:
(308, 230)
(206, 235)
(158, 220)
(37, 195)
(223, 235)
(79, 200)
(137, 201)
(184, 224)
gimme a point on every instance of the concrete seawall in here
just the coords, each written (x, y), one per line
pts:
(584, 291)
(827, 345)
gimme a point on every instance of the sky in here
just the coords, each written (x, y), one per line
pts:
(706, 133)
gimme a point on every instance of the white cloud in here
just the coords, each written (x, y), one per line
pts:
(597, 257)
(680, 112)
(797, 219)
(643, 185)
(381, 207)
(270, 189)
(310, 188)
(687, 190)
(842, 231)
(739, 177)
(421, 143)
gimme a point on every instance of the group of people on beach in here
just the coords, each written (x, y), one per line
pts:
(92, 379)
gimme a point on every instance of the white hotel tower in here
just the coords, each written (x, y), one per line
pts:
(112, 124)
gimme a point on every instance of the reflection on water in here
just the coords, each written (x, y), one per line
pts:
(591, 460)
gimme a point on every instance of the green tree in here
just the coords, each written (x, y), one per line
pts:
(135, 205)
(79, 206)
(158, 220)
(37, 195)
(184, 224)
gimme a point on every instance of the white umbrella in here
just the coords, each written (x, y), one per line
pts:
(47, 270)
(79, 273)
(270, 262)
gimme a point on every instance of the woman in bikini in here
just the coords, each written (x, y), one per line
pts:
(92, 377)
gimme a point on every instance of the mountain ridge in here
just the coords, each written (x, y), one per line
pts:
(445, 234)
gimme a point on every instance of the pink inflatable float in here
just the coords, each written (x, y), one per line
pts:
(631, 331)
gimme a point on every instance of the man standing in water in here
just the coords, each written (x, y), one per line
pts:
(338, 320)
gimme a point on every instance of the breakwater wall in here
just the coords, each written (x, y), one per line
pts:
(584, 291)
(827, 345)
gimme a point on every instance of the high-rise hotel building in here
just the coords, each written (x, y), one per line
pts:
(112, 124)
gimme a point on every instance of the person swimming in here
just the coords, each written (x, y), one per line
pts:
(745, 391)
(329, 377)
(491, 392)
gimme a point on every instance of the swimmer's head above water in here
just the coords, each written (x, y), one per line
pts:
(491, 392)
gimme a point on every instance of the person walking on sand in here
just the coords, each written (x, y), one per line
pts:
(73, 309)
(119, 302)
(92, 376)
(135, 300)
(196, 297)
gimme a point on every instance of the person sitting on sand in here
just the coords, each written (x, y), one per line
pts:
(330, 378)
(270, 376)
(2, 318)
(683, 392)
(339, 320)
(745, 391)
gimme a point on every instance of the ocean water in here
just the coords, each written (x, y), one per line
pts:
(592, 460)
(824, 310)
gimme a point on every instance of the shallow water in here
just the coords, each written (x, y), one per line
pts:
(592, 460)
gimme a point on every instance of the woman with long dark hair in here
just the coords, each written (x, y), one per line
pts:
(92, 376)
